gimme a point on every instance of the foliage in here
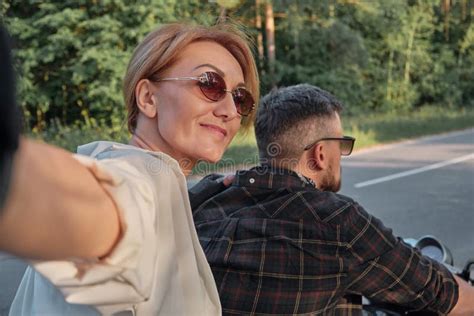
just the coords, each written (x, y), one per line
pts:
(466, 67)
(70, 137)
(72, 54)
(381, 128)
(376, 56)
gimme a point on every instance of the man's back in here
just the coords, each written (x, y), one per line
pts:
(277, 245)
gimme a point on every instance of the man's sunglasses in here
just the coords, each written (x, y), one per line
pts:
(346, 143)
(214, 88)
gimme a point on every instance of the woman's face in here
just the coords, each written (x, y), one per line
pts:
(190, 126)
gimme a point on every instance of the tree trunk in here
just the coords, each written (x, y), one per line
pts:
(411, 40)
(331, 8)
(296, 35)
(258, 26)
(223, 14)
(270, 32)
(388, 97)
(463, 10)
(412, 31)
(446, 8)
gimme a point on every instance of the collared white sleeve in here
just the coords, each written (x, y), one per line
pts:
(125, 275)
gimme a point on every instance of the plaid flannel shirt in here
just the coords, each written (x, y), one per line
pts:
(279, 246)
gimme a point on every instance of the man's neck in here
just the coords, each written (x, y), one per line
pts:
(301, 169)
(304, 169)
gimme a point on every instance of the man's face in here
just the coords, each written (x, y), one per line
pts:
(331, 179)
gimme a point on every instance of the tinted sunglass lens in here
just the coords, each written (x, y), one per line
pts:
(346, 146)
(214, 87)
(239, 98)
(243, 101)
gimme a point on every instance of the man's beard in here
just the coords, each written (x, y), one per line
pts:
(329, 181)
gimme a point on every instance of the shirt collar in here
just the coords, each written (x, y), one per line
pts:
(268, 177)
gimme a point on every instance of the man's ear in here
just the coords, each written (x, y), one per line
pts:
(146, 101)
(318, 159)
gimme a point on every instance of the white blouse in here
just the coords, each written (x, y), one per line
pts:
(158, 265)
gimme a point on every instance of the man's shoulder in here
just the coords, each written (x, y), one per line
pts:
(330, 207)
(205, 189)
(278, 202)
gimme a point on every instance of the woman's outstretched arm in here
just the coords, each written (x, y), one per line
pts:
(56, 208)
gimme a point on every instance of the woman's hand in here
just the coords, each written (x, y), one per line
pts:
(228, 179)
(56, 208)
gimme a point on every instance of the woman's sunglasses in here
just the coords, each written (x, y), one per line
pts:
(346, 143)
(214, 88)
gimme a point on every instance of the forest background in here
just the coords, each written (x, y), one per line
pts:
(403, 68)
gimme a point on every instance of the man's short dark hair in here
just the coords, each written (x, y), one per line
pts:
(290, 118)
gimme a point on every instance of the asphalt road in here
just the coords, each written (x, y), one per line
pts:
(11, 271)
(419, 187)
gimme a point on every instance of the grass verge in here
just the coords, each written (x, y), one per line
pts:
(379, 129)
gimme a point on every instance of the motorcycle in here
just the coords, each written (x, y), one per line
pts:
(431, 247)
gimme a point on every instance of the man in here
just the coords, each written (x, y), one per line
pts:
(281, 241)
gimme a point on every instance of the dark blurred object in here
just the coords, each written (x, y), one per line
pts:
(9, 115)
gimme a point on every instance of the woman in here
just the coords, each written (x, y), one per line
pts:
(126, 212)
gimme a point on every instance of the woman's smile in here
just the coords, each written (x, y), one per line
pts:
(214, 129)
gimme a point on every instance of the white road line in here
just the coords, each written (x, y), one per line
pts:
(414, 171)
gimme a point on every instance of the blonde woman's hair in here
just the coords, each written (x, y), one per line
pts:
(159, 50)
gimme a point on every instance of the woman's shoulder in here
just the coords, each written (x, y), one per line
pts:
(132, 169)
(142, 159)
(102, 149)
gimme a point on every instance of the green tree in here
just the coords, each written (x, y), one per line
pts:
(380, 55)
(72, 54)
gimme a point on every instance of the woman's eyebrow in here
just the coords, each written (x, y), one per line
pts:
(220, 72)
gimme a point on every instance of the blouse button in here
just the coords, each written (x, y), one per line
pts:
(252, 180)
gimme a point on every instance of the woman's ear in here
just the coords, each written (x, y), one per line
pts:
(146, 100)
